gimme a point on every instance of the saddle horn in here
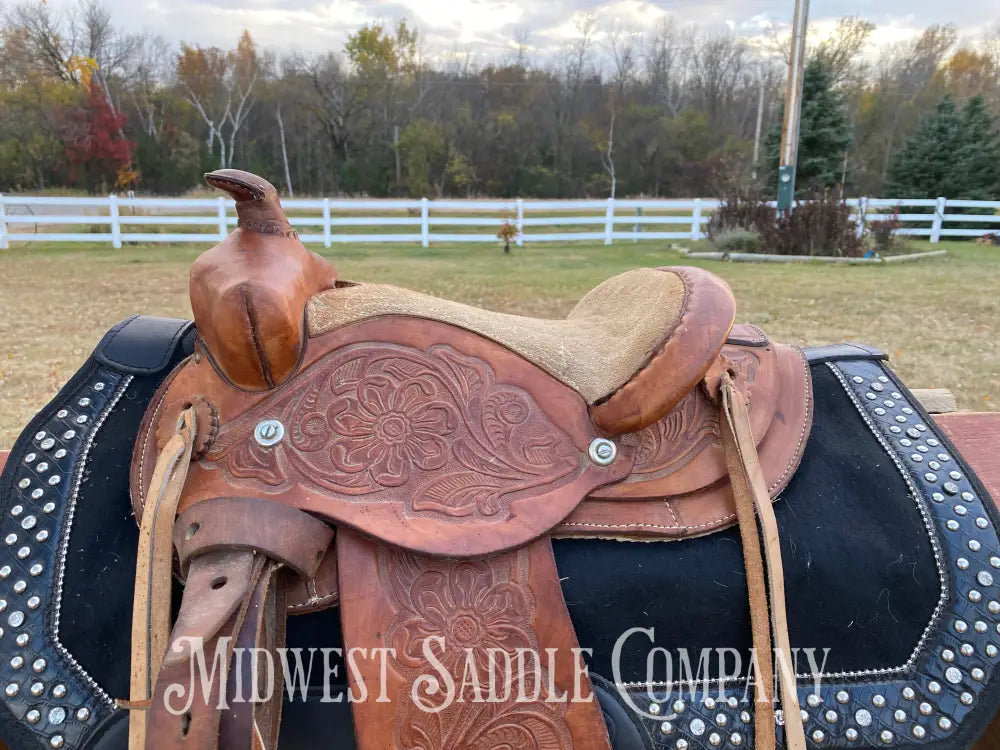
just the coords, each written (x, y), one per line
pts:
(249, 292)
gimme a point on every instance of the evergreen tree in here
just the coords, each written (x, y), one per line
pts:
(955, 154)
(824, 134)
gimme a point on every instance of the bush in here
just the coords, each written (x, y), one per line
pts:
(737, 241)
(817, 227)
(741, 209)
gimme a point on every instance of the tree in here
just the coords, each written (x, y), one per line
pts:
(95, 153)
(953, 153)
(824, 134)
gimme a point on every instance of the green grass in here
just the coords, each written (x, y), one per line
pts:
(937, 318)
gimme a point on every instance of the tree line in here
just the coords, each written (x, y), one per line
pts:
(667, 111)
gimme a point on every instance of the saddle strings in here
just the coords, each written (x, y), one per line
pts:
(153, 572)
(753, 502)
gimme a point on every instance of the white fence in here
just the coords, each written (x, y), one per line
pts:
(117, 219)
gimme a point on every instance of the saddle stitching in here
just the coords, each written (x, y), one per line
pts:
(796, 457)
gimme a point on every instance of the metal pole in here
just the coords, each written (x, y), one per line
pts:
(793, 108)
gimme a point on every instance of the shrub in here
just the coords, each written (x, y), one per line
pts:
(737, 241)
(822, 226)
(743, 209)
(883, 232)
(506, 233)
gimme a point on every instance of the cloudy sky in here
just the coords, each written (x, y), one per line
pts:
(487, 27)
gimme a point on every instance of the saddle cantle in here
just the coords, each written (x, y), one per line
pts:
(447, 445)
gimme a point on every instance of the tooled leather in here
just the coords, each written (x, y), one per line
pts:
(710, 508)
(482, 609)
(366, 423)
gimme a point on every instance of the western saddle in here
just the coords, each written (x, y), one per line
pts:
(408, 459)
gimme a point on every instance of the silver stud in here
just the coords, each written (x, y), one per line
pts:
(967, 699)
(930, 477)
(40, 435)
(736, 739)
(977, 674)
(47, 444)
(745, 717)
(944, 723)
(42, 535)
(982, 522)
(858, 379)
(20, 586)
(82, 713)
(269, 432)
(10, 539)
(900, 418)
(899, 715)
(981, 627)
(654, 709)
(961, 626)
(721, 720)
(30, 457)
(916, 457)
(863, 717)
(37, 493)
(843, 696)
(69, 434)
(59, 691)
(933, 442)
(84, 401)
(48, 507)
(666, 727)
(17, 662)
(61, 453)
(956, 475)
(933, 466)
(5, 571)
(922, 448)
(831, 716)
(56, 741)
(962, 563)
(33, 716)
(57, 715)
(22, 639)
(886, 736)
(991, 650)
(880, 411)
(948, 655)
(975, 597)
(54, 480)
(16, 618)
(82, 419)
(39, 665)
(12, 689)
(961, 510)
(33, 602)
(697, 727)
(950, 487)
(714, 739)
(926, 709)
(968, 497)
(24, 484)
(966, 649)
(952, 525)
(974, 545)
(851, 734)
(894, 430)
(23, 553)
(877, 387)
(985, 578)
(28, 522)
(678, 706)
(813, 700)
(99, 386)
(919, 732)
(934, 688)
(42, 467)
(818, 736)
(37, 688)
(36, 569)
(682, 744)
(732, 701)
(937, 497)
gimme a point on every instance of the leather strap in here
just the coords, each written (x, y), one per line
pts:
(468, 613)
(285, 534)
(753, 502)
(154, 567)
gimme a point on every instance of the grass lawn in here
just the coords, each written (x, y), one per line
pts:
(938, 318)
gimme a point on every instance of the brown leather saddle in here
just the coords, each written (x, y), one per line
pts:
(409, 459)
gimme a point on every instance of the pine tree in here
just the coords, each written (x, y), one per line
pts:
(955, 154)
(824, 134)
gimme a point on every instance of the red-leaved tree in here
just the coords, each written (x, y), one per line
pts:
(97, 154)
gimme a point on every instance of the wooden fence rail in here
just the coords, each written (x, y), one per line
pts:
(118, 219)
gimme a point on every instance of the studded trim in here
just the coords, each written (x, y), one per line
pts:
(43, 686)
(953, 667)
